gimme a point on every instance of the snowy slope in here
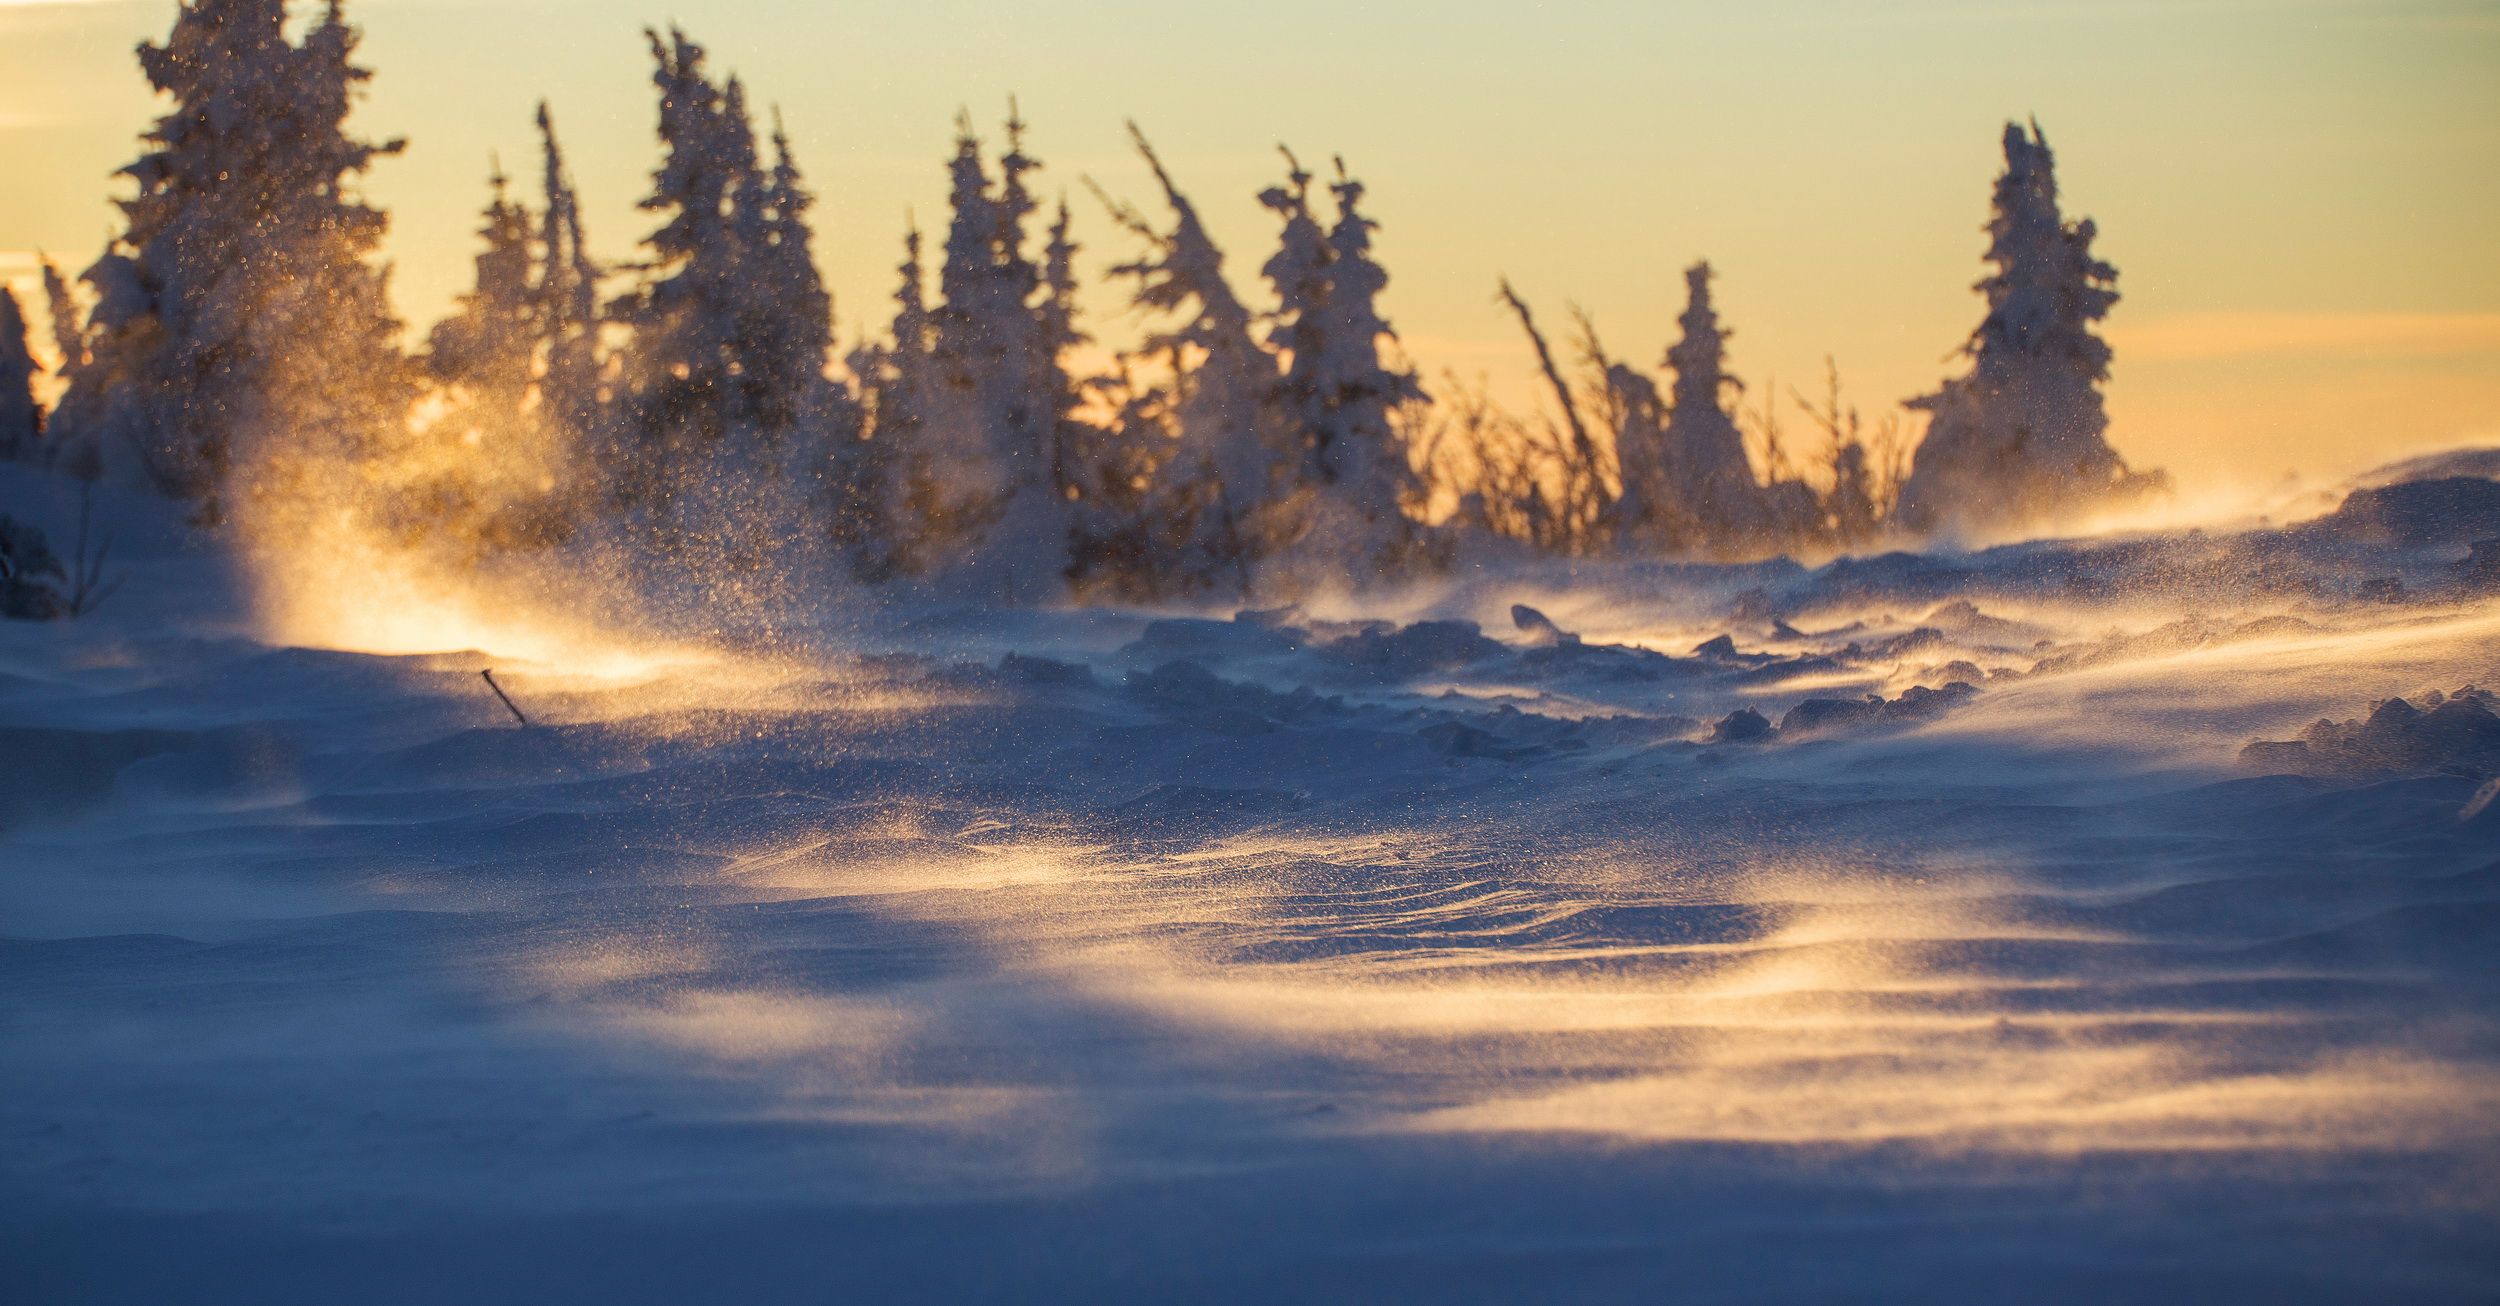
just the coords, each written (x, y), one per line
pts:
(1345, 954)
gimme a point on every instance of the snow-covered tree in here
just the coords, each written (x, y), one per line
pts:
(1707, 485)
(73, 336)
(1074, 439)
(488, 350)
(996, 432)
(1056, 312)
(1362, 387)
(509, 457)
(727, 405)
(953, 477)
(888, 501)
(567, 295)
(1854, 505)
(1643, 501)
(240, 320)
(1218, 485)
(787, 334)
(2021, 436)
(1354, 473)
(1298, 274)
(1849, 507)
(1120, 538)
(21, 417)
(70, 330)
(682, 375)
(496, 463)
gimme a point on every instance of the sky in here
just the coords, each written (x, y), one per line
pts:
(2301, 196)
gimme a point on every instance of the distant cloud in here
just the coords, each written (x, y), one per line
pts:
(2357, 337)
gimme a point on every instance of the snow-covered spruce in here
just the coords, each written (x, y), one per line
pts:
(1706, 484)
(244, 240)
(1230, 441)
(1353, 487)
(987, 510)
(517, 366)
(884, 498)
(726, 408)
(2021, 437)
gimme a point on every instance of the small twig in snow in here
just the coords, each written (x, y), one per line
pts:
(489, 678)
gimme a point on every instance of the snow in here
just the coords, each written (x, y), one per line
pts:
(1418, 946)
(2452, 734)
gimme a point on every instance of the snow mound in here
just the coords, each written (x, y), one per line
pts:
(2443, 734)
(1835, 716)
(2482, 462)
(2448, 510)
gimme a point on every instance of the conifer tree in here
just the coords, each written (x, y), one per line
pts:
(1849, 507)
(488, 350)
(510, 458)
(1231, 441)
(888, 509)
(498, 467)
(1643, 512)
(683, 374)
(1850, 511)
(2021, 436)
(1005, 385)
(956, 478)
(239, 317)
(789, 332)
(21, 418)
(567, 294)
(966, 319)
(69, 322)
(726, 391)
(1707, 482)
(1094, 469)
(1139, 501)
(1350, 394)
(1298, 272)
(1019, 277)
(1058, 395)
(78, 400)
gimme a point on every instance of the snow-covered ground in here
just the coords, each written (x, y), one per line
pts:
(1347, 954)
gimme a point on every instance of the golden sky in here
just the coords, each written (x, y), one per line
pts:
(2301, 196)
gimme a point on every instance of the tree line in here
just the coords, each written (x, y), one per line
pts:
(234, 347)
